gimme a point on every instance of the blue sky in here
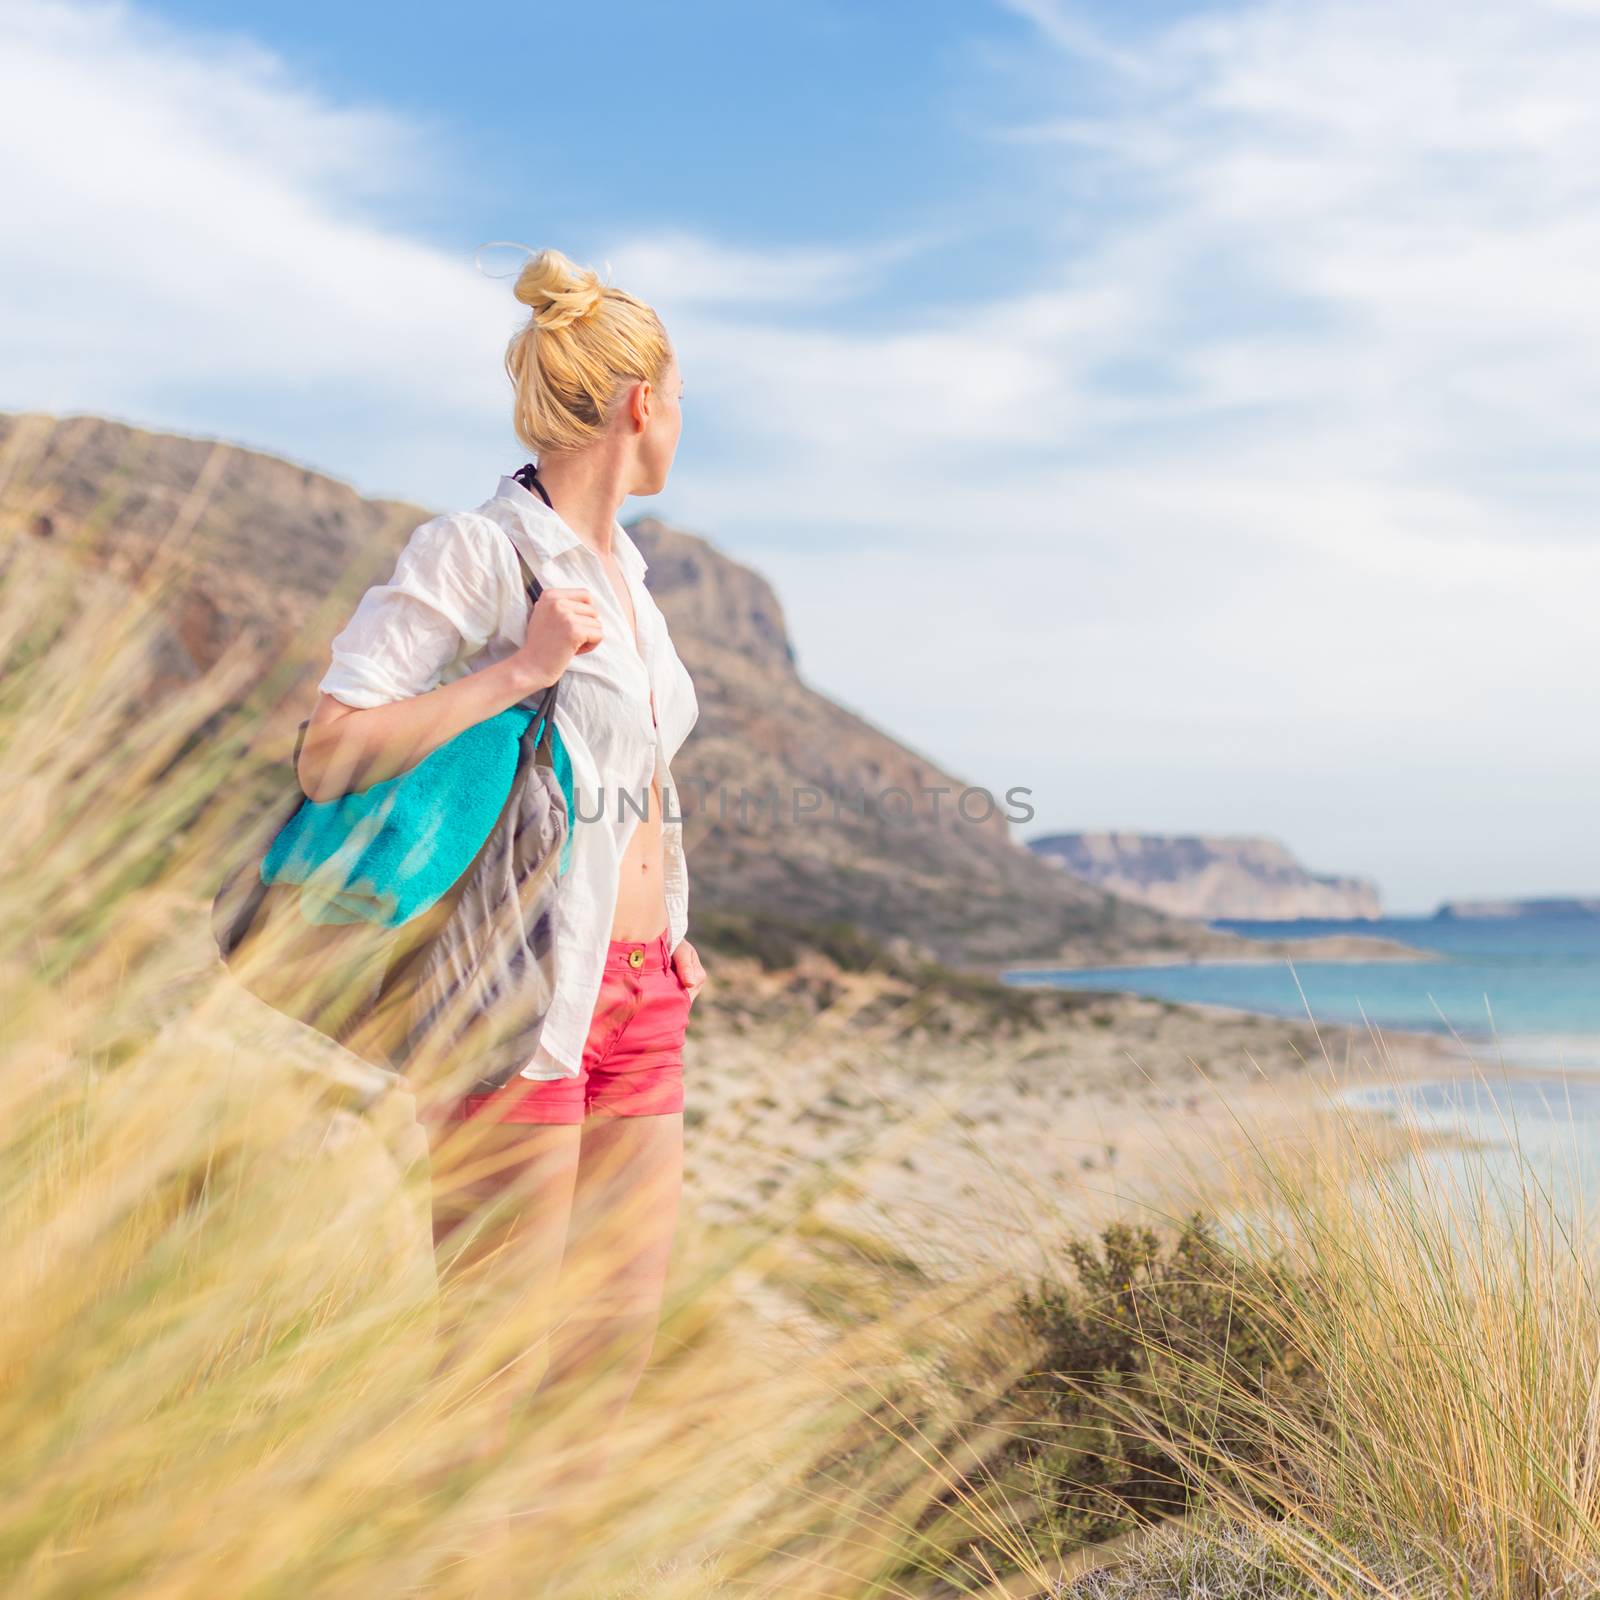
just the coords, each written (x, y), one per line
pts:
(1187, 412)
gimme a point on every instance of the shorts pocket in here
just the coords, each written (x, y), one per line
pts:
(679, 986)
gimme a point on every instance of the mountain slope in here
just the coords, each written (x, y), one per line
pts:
(241, 542)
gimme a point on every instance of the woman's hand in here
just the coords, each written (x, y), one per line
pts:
(686, 963)
(562, 624)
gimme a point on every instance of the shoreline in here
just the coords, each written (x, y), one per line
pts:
(975, 1151)
(1334, 949)
(921, 1135)
(1002, 1180)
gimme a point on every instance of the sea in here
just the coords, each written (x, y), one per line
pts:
(1526, 987)
(1522, 990)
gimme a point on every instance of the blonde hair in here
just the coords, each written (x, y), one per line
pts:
(583, 342)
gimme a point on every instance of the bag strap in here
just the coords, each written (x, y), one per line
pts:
(528, 476)
(547, 706)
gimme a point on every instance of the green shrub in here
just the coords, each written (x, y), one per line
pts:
(1155, 1355)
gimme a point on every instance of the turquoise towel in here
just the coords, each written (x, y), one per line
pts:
(386, 853)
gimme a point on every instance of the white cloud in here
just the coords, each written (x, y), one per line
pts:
(1267, 507)
(187, 240)
(1345, 527)
(686, 271)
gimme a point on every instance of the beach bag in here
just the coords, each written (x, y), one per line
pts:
(412, 922)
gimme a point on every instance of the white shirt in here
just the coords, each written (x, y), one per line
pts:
(455, 604)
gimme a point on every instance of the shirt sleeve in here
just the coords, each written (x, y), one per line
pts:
(443, 600)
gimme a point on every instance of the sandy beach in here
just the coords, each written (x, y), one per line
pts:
(968, 1124)
(952, 1132)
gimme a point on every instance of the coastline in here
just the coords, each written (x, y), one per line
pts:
(973, 1148)
(1261, 952)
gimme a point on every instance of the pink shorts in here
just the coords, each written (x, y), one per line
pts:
(633, 1059)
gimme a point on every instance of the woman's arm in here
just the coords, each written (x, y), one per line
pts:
(348, 748)
(382, 708)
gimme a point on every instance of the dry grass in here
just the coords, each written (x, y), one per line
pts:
(1450, 1443)
(217, 1360)
(218, 1364)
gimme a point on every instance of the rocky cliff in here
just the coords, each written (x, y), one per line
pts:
(1190, 875)
(243, 544)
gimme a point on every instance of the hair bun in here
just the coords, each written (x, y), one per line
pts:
(583, 343)
(558, 291)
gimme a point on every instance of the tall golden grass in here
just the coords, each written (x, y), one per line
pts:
(219, 1367)
(219, 1363)
(1442, 1293)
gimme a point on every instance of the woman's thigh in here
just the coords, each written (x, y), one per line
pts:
(624, 1215)
(502, 1198)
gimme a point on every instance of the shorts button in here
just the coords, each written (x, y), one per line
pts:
(636, 958)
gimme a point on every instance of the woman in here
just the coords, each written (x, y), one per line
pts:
(582, 1153)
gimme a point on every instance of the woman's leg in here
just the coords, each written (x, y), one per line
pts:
(612, 1277)
(502, 1196)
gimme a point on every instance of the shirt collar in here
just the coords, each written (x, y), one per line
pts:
(622, 543)
(549, 535)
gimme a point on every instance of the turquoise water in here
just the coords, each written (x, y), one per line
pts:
(1530, 1160)
(1525, 988)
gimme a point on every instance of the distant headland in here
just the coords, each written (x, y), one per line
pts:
(1548, 906)
(1245, 877)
